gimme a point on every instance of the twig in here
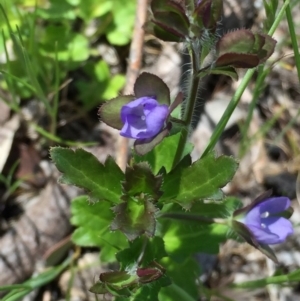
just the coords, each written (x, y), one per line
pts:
(134, 65)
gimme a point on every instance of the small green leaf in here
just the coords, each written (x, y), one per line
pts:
(82, 169)
(202, 180)
(153, 250)
(135, 217)
(163, 154)
(93, 222)
(149, 292)
(148, 84)
(110, 112)
(140, 179)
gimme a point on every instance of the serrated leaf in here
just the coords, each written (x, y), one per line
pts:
(238, 41)
(110, 112)
(93, 227)
(238, 60)
(140, 179)
(202, 180)
(163, 154)
(148, 84)
(135, 217)
(186, 237)
(154, 250)
(82, 169)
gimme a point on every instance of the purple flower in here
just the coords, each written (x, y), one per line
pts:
(143, 118)
(266, 222)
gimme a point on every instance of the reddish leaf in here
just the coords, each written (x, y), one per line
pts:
(208, 13)
(239, 41)
(148, 84)
(161, 33)
(237, 60)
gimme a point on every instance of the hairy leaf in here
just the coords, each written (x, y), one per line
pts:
(134, 217)
(82, 169)
(110, 112)
(148, 84)
(163, 154)
(93, 222)
(140, 179)
(202, 180)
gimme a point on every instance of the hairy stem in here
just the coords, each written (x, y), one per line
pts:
(189, 104)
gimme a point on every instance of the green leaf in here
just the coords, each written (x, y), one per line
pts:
(90, 9)
(202, 180)
(135, 217)
(148, 84)
(152, 249)
(58, 10)
(163, 154)
(187, 237)
(93, 222)
(82, 169)
(183, 277)
(120, 32)
(227, 70)
(149, 292)
(140, 179)
(111, 110)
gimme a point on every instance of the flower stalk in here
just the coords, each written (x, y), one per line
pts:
(189, 104)
(193, 217)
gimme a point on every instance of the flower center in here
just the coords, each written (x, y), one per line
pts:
(263, 226)
(143, 117)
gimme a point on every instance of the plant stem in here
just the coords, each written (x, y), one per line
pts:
(190, 104)
(289, 18)
(193, 217)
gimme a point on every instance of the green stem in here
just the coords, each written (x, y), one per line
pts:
(239, 92)
(190, 105)
(293, 38)
(193, 217)
(256, 92)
